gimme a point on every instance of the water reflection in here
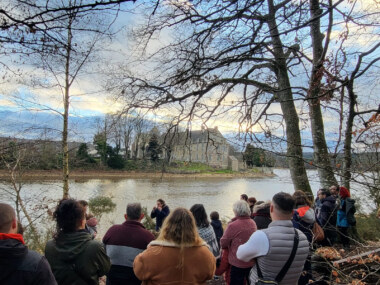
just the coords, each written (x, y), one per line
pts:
(217, 194)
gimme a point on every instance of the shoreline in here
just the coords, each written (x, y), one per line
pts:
(117, 175)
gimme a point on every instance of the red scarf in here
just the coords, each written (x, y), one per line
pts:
(12, 236)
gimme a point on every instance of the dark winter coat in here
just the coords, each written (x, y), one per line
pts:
(18, 265)
(304, 219)
(123, 243)
(75, 258)
(218, 229)
(328, 213)
(261, 215)
(160, 216)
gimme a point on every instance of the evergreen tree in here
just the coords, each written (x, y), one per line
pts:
(154, 149)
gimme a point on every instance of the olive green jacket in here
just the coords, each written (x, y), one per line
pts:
(75, 258)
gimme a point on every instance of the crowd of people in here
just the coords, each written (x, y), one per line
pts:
(264, 242)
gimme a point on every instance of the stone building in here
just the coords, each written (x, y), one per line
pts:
(206, 146)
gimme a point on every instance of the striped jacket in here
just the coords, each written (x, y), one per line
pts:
(123, 243)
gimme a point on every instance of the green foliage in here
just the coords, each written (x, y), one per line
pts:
(148, 222)
(101, 205)
(368, 226)
(154, 149)
(130, 165)
(254, 156)
(100, 142)
(115, 161)
(82, 155)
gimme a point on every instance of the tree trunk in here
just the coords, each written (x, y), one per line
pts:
(321, 155)
(347, 160)
(65, 147)
(285, 96)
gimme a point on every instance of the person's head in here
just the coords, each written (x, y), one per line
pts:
(241, 208)
(8, 221)
(179, 227)
(200, 215)
(252, 201)
(134, 212)
(343, 192)
(160, 203)
(301, 199)
(84, 204)
(214, 216)
(334, 190)
(323, 193)
(282, 206)
(70, 216)
(244, 197)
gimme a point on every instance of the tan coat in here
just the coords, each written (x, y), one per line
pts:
(159, 264)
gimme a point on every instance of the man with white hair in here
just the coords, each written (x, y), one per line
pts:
(238, 232)
(280, 250)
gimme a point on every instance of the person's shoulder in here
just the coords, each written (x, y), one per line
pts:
(31, 261)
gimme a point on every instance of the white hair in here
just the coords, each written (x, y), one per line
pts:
(241, 208)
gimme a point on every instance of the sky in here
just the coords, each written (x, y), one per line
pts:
(25, 110)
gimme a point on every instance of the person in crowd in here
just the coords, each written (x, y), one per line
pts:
(317, 204)
(244, 197)
(160, 212)
(224, 268)
(237, 233)
(18, 264)
(304, 215)
(261, 214)
(123, 243)
(273, 246)
(251, 201)
(217, 226)
(91, 221)
(342, 221)
(327, 217)
(334, 191)
(74, 256)
(304, 219)
(178, 256)
(205, 230)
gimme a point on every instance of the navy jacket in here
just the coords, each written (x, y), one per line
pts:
(218, 229)
(160, 216)
(328, 213)
(18, 265)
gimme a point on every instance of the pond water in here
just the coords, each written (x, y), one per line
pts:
(217, 194)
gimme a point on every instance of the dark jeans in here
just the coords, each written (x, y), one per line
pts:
(344, 238)
(239, 275)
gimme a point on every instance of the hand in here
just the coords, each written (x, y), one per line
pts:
(154, 208)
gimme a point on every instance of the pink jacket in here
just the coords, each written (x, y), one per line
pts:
(237, 233)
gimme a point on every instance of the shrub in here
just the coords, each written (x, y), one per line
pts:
(101, 205)
(368, 226)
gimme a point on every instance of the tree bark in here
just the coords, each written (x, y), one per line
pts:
(321, 155)
(285, 96)
(65, 147)
(347, 148)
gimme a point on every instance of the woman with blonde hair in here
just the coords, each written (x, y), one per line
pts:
(178, 256)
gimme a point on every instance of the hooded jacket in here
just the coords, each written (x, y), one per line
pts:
(159, 264)
(218, 229)
(304, 219)
(75, 258)
(18, 265)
